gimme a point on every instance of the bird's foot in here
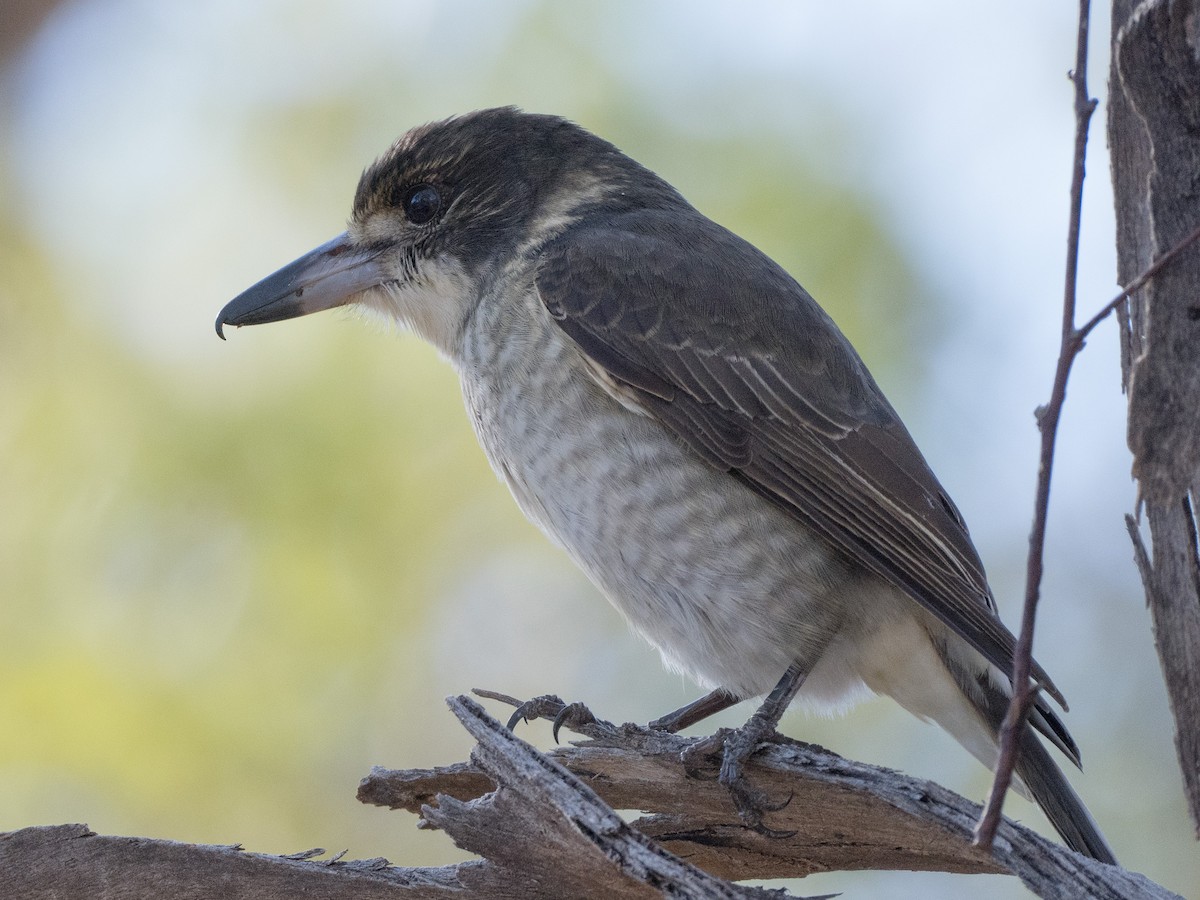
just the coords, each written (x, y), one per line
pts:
(740, 745)
(736, 746)
(573, 715)
(697, 757)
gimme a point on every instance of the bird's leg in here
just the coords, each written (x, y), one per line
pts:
(741, 744)
(708, 705)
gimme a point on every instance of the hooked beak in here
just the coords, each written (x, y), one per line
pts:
(331, 275)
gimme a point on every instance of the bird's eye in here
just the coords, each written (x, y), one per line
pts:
(422, 203)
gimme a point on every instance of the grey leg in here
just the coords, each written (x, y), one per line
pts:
(741, 744)
(708, 705)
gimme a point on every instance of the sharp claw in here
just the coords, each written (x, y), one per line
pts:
(573, 715)
(537, 708)
(516, 717)
(751, 804)
(774, 834)
(777, 807)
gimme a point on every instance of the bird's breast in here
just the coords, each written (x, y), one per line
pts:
(730, 589)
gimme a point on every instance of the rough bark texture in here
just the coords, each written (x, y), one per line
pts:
(70, 862)
(544, 826)
(1154, 136)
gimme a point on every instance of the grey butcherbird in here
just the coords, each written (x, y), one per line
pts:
(674, 410)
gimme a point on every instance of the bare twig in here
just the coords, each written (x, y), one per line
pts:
(1048, 417)
(1135, 285)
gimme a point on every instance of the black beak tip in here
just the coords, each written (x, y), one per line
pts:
(227, 316)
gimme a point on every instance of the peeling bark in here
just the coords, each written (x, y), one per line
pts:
(1154, 138)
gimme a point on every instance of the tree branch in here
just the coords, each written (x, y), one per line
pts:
(845, 814)
(70, 862)
(545, 827)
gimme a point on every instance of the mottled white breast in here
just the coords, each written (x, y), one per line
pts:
(729, 589)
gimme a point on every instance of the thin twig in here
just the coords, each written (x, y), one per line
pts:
(1135, 285)
(1023, 696)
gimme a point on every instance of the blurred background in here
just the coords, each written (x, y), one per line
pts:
(234, 576)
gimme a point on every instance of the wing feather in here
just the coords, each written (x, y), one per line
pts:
(752, 375)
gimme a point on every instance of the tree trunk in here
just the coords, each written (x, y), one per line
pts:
(1154, 137)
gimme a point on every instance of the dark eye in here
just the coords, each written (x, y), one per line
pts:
(422, 203)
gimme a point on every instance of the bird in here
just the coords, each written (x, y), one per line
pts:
(677, 413)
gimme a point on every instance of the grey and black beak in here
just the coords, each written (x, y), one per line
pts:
(331, 275)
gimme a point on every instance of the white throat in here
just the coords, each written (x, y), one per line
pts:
(433, 303)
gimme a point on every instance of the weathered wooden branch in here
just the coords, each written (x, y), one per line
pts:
(70, 862)
(1154, 136)
(544, 826)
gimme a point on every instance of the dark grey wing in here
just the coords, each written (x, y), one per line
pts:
(721, 345)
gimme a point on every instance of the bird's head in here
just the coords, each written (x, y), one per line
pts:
(444, 212)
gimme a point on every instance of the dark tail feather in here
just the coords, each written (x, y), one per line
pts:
(1042, 776)
(976, 726)
(1058, 800)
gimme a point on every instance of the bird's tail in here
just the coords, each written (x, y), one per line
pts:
(953, 688)
(1040, 774)
(1058, 800)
